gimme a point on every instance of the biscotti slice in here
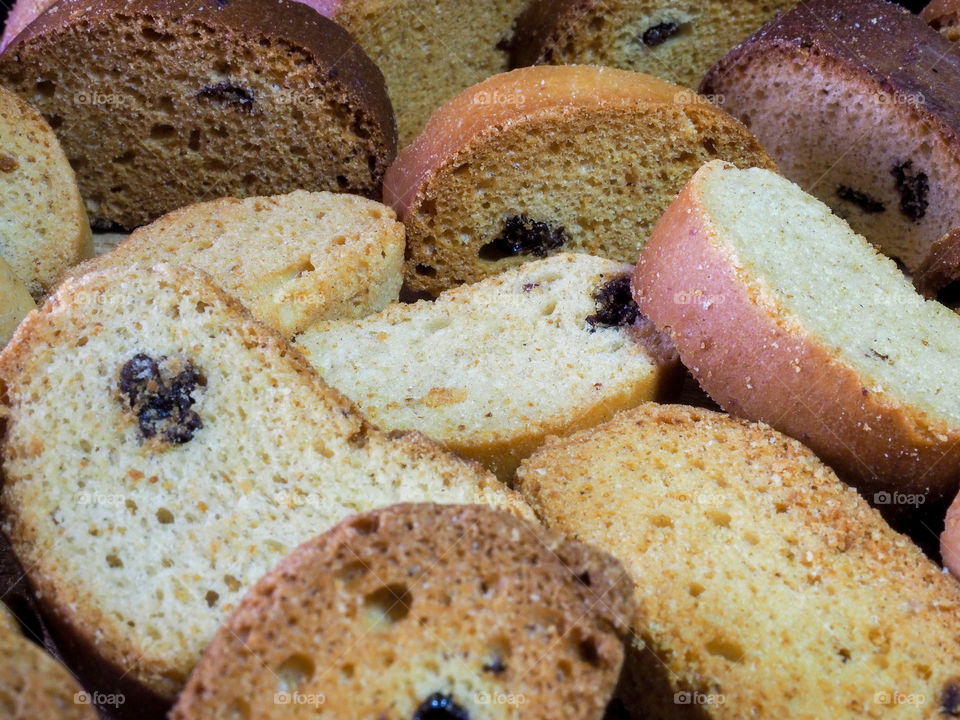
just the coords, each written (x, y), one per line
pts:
(547, 158)
(858, 101)
(765, 587)
(15, 302)
(161, 104)
(785, 315)
(293, 260)
(943, 16)
(43, 226)
(33, 684)
(490, 370)
(410, 41)
(422, 611)
(678, 40)
(163, 450)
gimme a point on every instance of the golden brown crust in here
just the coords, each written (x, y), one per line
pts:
(417, 600)
(759, 367)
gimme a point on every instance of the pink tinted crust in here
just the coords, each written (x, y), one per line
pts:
(950, 539)
(504, 100)
(759, 364)
(22, 14)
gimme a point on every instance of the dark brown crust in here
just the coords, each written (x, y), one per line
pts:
(540, 26)
(880, 40)
(758, 369)
(941, 267)
(333, 49)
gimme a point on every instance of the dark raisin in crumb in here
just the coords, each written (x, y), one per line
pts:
(229, 94)
(913, 188)
(950, 701)
(440, 707)
(164, 407)
(615, 304)
(869, 205)
(523, 236)
(659, 34)
(496, 667)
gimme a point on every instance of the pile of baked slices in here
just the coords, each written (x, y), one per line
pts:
(479, 360)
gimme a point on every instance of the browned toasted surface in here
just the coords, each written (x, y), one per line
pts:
(544, 159)
(765, 587)
(170, 130)
(195, 447)
(391, 608)
(34, 685)
(858, 101)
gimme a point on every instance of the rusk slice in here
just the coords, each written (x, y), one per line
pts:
(164, 450)
(858, 101)
(765, 588)
(427, 612)
(43, 226)
(547, 158)
(164, 103)
(785, 315)
(678, 40)
(292, 260)
(34, 685)
(490, 370)
(15, 302)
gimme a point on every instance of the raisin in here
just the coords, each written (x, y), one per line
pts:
(913, 188)
(163, 407)
(440, 707)
(659, 34)
(950, 701)
(869, 205)
(615, 304)
(229, 94)
(523, 236)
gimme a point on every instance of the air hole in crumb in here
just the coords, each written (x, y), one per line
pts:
(844, 655)
(584, 578)
(719, 518)
(164, 516)
(726, 649)
(163, 132)
(388, 605)
(293, 672)
(366, 525)
(710, 145)
(351, 571)
(127, 158)
(587, 650)
(211, 597)
(342, 182)
(114, 561)
(45, 88)
(194, 142)
(696, 589)
(426, 270)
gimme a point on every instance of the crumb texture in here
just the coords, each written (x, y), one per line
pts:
(149, 128)
(164, 450)
(490, 370)
(293, 260)
(746, 551)
(577, 159)
(43, 227)
(419, 612)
